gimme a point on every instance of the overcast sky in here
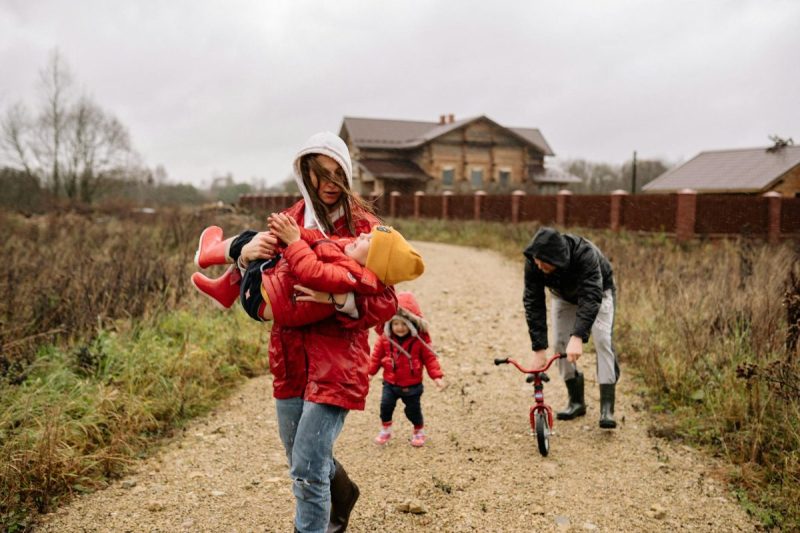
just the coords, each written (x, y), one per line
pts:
(209, 87)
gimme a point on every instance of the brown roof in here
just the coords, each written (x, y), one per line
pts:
(406, 134)
(393, 169)
(743, 170)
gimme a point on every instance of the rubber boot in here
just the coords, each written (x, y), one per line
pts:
(223, 291)
(576, 406)
(607, 396)
(344, 494)
(212, 250)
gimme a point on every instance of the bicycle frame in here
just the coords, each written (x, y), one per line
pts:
(538, 390)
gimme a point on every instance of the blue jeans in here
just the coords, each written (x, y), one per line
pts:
(308, 431)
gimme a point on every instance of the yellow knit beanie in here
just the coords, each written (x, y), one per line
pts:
(391, 258)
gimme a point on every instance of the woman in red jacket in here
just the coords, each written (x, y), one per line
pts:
(403, 350)
(320, 370)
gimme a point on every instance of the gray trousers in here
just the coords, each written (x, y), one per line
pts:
(563, 316)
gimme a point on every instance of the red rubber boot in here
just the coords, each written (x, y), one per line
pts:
(223, 291)
(212, 250)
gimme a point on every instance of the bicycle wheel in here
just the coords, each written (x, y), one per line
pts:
(543, 433)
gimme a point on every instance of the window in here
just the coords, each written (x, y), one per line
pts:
(448, 175)
(477, 178)
(504, 177)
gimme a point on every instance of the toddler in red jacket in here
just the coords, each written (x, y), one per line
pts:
(364, 265)
(402, 350)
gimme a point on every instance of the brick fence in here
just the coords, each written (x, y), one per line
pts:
(685, 214)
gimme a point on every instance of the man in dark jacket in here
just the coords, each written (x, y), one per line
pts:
(582, 291)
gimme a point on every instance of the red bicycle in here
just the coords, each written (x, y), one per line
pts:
(540, 414)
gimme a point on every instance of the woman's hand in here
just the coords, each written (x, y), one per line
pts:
(310, 295)
(262, 246)
(284, 227)
(440, 384)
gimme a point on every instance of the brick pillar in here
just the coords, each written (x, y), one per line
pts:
(417, 200)
(616, 209)
(516, 197)
(393, 204)
(685, 214)
(562, 207)
(773, 216)
(446, 203)
(478, 201)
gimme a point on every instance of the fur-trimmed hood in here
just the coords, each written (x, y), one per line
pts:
(408, 311)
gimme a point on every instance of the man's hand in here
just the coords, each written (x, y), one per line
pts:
(284, 227)
(539, 359)
(440, 384)
(574, 349)
(262, 246)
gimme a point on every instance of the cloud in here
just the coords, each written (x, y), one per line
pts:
(210, 87)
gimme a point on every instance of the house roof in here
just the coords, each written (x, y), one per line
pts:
(393, 169)
(406, 134)
(555, 175)
(743, 170)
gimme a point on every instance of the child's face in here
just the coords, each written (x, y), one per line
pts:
(359, 248)
(399, 328)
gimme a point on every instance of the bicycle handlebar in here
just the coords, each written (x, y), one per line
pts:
(550, 361)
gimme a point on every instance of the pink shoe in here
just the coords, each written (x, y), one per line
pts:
(212, 249)
(383, 437)
(223, 291)
(418, 438)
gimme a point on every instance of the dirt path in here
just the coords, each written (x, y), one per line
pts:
(479, 471)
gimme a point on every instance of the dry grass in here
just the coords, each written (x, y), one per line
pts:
(704, 325)
(102, 351)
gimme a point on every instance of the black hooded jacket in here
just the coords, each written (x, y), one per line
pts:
(582, 275)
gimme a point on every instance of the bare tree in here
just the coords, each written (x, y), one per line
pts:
(70, 146)
(98, 145)
(15, 126)
(54, 81)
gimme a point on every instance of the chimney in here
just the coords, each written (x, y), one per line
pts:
(442, 119)
(451, 118)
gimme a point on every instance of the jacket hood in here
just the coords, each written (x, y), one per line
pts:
(550, 246)
(408, 311)
(331, 145)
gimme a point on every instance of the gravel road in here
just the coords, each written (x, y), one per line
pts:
(479, 470)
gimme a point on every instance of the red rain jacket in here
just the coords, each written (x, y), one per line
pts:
(403, 360)
(326, 362)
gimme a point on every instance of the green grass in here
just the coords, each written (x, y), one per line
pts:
(85, 412)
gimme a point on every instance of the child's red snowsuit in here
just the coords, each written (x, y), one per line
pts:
(322, 266)
(402, 361)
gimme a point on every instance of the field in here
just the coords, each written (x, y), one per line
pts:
(105, 351)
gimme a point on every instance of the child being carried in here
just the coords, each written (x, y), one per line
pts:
(268, 289)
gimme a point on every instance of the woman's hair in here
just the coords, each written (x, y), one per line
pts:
(349, 200)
